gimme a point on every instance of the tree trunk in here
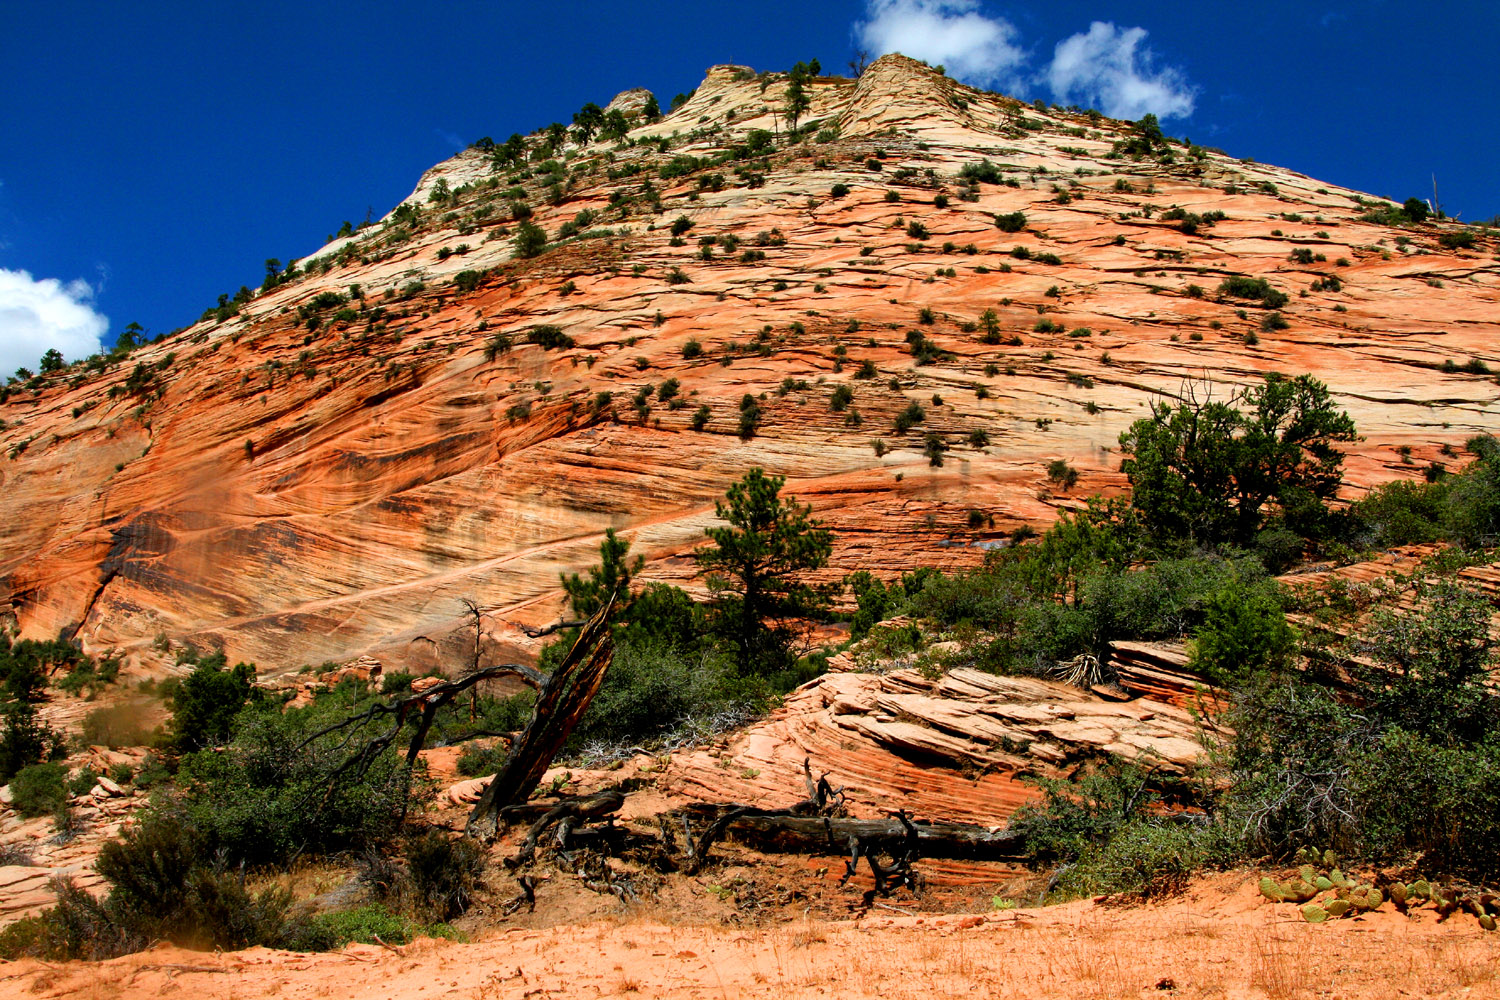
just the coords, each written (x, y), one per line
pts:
(560, 704)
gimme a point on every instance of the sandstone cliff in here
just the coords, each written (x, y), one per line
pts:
(303, 482)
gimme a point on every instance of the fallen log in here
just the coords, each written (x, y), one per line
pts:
(565, 816)
(810, 834)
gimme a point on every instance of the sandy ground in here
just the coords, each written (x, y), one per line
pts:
(1220, 941)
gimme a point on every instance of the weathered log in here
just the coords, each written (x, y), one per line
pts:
(564, 697)
(809, 834)
(565, 816)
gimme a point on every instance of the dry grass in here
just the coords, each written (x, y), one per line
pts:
(1278, 963)
(1227, 947)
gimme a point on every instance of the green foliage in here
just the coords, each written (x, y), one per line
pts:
(754, 569)
(658, 683)
(531, 239)
(1410, 764)
(1061, 474)
(983, 172)
(1471, 513)
(910, 417)
(1012, 222)
(875, 602)
(933, 446)
(1073, 816)
(797, 102)
(1463, 507)
(267, 797)
(611, 576)
(1403, 512)
(1240, 287)
(206, 702)
(1453, 239)
(749, 416)
(40, 789)
(371, 923)
(1205, 470)
(549, 337)
(1244, 631)
(160, 888)
(1433, 663)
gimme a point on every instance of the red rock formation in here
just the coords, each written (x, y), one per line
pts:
(296, 495)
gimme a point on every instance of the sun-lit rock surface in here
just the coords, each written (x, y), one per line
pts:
(953, 747)
(301, 495)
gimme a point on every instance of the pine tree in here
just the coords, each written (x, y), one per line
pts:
(755, 568)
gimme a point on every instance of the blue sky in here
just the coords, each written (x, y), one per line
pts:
(154, 155)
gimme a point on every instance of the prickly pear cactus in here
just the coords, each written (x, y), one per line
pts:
(1314, 914)
(1337, 907)
(1271, 890)
(1299, 891)
(1487, 921)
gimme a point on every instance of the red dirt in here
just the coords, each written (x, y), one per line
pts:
(1220, 941)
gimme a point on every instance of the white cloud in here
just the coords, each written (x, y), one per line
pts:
(1110, 69)
(38, 314)
(971, 47)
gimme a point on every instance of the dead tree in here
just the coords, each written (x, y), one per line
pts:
(562, 699)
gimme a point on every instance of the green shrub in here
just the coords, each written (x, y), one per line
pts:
(1244, 631)
(1403, 512)
(1013, 222)
(549, 337)
(368, 924)
(983, 172)
(25, 740)
(531, 239)
(749, 416)
(1457, 239)
(1060, 473)
(1241, 287)
(39, 790)
(1147, 858)
(161, 887)
(910, 417)
(205, 703)
(267, 798)
(477, 760)
(82, 782)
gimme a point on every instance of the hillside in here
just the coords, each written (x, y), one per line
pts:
(320, 476)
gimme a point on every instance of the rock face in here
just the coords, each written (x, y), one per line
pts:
(305, 481)
(954, 747)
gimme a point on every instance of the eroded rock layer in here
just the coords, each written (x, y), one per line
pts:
(306, 481)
